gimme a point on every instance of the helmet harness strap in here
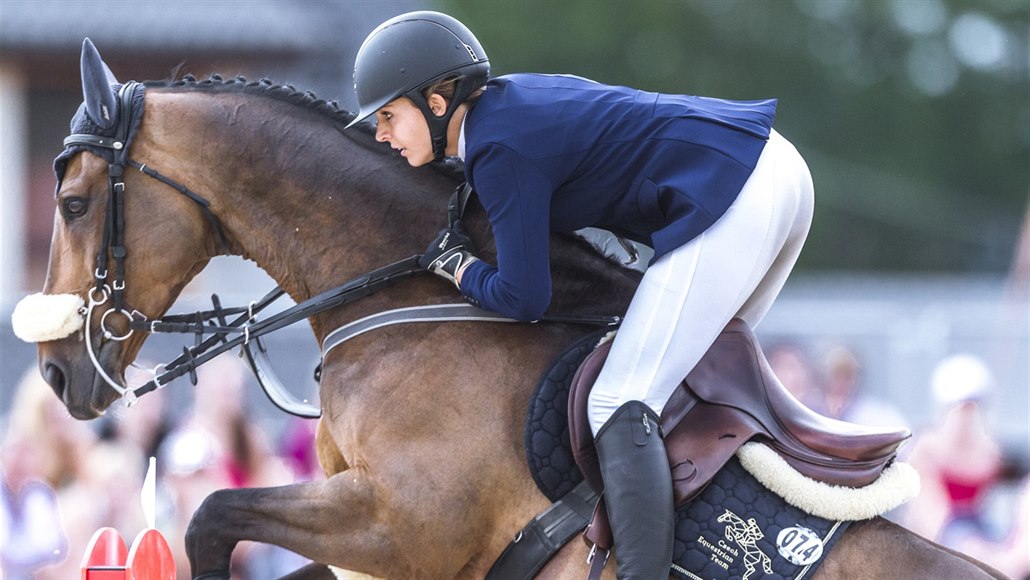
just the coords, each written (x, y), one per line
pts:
(438, 124)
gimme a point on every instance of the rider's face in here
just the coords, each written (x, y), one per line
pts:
(402, 125)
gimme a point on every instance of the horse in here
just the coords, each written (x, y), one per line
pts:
(421, 432)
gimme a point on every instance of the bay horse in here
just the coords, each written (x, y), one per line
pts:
(421, 434)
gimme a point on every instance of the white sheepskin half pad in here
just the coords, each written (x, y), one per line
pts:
(895, 486)
(342, 574)
(45, 317)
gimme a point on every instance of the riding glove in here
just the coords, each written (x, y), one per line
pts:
(452, 250)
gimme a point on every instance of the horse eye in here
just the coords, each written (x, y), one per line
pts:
(73, 207)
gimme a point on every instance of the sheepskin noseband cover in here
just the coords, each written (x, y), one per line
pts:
(45, 317)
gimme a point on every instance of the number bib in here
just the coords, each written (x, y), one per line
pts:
(738, 529)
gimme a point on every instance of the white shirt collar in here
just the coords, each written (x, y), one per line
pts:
(461, 137)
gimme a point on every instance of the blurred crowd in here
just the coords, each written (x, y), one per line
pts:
(973, 498)
(63, 479)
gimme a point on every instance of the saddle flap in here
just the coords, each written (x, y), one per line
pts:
(582, 437)
(699, 437)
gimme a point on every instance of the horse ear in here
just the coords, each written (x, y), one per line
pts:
(96, 87)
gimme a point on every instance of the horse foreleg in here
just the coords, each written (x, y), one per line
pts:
(330, 521)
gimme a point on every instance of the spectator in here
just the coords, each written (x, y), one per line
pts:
(144, 426)
(1011, 555)
(793, 366)
(59, 441)
(958, 460)
(843, 396)
(104, 493)
(30, 529)
(298, 449)
(218, 446)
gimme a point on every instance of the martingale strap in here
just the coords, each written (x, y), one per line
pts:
(456, 205)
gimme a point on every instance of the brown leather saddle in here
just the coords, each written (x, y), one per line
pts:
(730, 397)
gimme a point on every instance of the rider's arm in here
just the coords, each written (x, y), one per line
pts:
(517, 198)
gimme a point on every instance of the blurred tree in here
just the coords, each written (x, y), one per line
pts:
(914, 115)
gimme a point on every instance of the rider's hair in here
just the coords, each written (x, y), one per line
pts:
(445, 88)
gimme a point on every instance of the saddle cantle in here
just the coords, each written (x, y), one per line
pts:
(732, 396)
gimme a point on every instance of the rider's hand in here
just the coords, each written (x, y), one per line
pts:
(449, 253)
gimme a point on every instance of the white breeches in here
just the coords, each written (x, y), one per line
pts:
(735, 269)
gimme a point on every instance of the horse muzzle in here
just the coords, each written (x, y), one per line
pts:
(68, 370)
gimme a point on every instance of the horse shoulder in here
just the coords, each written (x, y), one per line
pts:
(329, 455)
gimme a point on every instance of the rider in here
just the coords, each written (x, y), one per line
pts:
(724, 200)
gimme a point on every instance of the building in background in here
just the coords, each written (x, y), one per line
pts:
(310, 45)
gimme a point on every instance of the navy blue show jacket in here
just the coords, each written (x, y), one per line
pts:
(561, 153)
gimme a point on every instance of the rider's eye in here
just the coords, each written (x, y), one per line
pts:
(73, 207)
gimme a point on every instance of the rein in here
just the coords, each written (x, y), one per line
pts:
(250, 330)
(246, 328)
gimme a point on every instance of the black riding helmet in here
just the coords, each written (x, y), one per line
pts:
(408, 53)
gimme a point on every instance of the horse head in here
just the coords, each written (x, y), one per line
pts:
(159, 230)
(271, 165)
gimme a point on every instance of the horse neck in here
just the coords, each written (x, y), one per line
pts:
(585, 282)
(310, 205)
(315, 206)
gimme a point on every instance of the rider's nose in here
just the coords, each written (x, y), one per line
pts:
(381, 135)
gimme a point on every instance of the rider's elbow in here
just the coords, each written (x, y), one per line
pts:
(529, 307)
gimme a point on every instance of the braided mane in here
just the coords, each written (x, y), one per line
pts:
(307, 100)
(267, 88)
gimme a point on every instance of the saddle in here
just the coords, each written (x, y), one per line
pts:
(730, 397)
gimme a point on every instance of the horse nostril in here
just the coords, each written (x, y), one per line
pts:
(54, 376)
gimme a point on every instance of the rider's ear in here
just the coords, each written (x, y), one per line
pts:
(437, 104)
(96, 87)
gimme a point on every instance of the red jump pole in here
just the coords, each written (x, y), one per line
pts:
(106, 558)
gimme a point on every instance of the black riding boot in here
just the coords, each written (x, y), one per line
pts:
(637, 492)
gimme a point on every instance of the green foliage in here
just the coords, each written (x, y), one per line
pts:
(914, 115)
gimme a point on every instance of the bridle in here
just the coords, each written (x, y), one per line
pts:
(112, 243)
(111, 286)
(244, 327)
